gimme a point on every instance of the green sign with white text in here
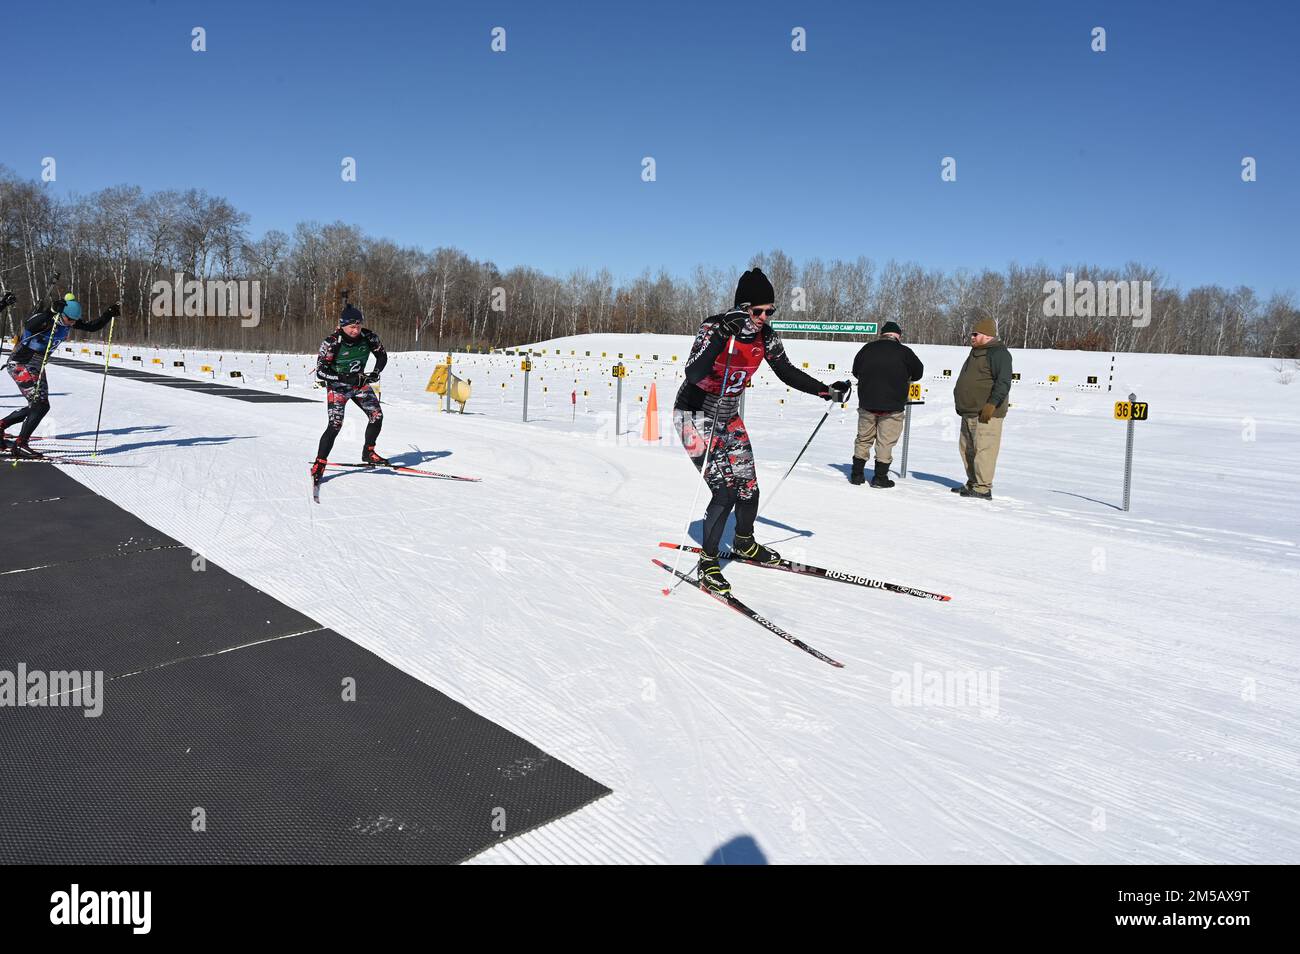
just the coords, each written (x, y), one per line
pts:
(828, 327)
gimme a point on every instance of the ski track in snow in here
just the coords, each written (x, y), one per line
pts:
(1123, 643)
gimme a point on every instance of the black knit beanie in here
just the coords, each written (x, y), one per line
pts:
(754, 289)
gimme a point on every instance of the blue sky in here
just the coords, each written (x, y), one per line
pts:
(533, 156)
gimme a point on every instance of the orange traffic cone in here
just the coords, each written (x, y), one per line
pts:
(650, 430)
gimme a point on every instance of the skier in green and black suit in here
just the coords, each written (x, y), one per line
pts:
(341, 364)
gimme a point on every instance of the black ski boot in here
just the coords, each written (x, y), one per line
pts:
(318, 469)
(857, 476)
(882, 476)
(972, 492)
(21, 450)
(372, 459)
(710, 574)
(751, 549)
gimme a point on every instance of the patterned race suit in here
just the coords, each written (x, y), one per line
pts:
(42, 334)
(703, 397)
(341, 364)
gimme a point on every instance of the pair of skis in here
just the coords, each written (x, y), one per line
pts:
(60, 458)
(803, 569)
(396, 468)
(58, 455)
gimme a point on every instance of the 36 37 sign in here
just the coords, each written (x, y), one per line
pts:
(1131, 410)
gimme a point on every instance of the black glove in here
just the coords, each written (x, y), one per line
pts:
(838, 392)
(7, 299)
(57, 307)
(733, 322)
(112, 311)
(370, 377)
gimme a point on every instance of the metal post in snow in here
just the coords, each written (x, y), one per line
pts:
(907, 433)
(528, 367)
(1128, 454)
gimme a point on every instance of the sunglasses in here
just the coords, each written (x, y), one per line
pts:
(762, 312)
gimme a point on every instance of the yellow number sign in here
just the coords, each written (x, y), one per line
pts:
(914, 391)
(1131, 410)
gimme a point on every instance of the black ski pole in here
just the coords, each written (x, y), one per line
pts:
(807, 444)
(104, 384)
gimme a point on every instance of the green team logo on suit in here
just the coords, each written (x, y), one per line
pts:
(351, 356)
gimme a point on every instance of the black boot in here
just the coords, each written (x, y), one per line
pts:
(882, 476)
(752, 550)
(372, 458)
(20, 449)
(710, 574)
(972, 492)
(857, 476)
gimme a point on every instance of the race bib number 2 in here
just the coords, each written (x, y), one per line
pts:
(735, 382)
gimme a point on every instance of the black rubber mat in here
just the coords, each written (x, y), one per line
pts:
(27, 483)
(75, 524)
(208, 387)
(135, 612)
(224, 734)
(261, 747)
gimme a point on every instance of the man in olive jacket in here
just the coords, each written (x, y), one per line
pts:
(980, 395)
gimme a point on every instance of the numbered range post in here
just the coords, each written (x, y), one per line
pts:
(619, 372)
(913, 398)
(1130, 411)
(526, 366)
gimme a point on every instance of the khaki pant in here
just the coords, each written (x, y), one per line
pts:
(882, 430)
(979, 450)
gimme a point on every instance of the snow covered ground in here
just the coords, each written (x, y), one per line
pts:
(1134, 676)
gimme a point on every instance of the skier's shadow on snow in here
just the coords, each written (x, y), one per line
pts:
(179, 442)
(143, 428)
(741, 850)
(416, 458)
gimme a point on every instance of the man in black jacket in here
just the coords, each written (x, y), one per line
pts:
(884, 368)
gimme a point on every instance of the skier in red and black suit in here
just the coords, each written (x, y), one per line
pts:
(707, 407)
(341, 364)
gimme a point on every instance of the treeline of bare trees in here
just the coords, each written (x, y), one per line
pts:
(114, 244)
